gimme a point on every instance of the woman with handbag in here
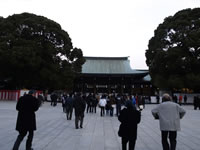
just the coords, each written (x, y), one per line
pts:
(129, 118)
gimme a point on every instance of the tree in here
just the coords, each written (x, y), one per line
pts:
(36, 53)
(173, 54)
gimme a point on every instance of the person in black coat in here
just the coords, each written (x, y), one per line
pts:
(69, 106)
(118, 101)
(196, 102)
(79, 106)
(54, 98)
(26, 121)
(89, 103)
(129, 118)
(94, 104)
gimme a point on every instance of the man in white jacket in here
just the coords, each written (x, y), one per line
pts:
(169, 115)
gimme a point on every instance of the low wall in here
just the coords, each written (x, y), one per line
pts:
(14, 94)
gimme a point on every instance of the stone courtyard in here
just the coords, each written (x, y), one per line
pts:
(55, 132)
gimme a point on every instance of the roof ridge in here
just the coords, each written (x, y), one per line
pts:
(106, 58)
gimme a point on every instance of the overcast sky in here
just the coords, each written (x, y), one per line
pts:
(113, 28)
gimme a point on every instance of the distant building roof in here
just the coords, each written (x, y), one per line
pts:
(109, 65)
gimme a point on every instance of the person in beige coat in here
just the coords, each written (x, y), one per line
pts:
(169, 115)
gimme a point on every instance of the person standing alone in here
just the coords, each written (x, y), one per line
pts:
(26, 121)
(169, 115)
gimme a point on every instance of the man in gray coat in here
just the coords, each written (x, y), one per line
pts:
(169, 115)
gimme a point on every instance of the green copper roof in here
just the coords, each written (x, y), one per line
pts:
(109, 65)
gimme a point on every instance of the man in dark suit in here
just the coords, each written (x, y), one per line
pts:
(26, 121)
(79, 105)
(129, 118)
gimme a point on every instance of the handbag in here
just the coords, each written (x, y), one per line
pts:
(120, 130)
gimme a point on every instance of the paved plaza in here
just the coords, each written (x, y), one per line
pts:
(55, 132)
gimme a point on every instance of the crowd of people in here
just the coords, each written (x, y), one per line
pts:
(108, 103)
(126, 107)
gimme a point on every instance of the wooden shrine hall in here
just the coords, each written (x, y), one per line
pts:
(112, 75)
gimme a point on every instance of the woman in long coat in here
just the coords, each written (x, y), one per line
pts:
(129, 118)
(26, 121)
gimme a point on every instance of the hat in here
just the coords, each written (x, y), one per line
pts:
(32, 92)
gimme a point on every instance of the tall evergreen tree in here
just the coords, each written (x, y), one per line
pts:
(173, 54)
(35, 52)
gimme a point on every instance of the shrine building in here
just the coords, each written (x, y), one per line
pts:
(112, 75)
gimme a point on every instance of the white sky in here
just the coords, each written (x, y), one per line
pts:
(113, 28)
